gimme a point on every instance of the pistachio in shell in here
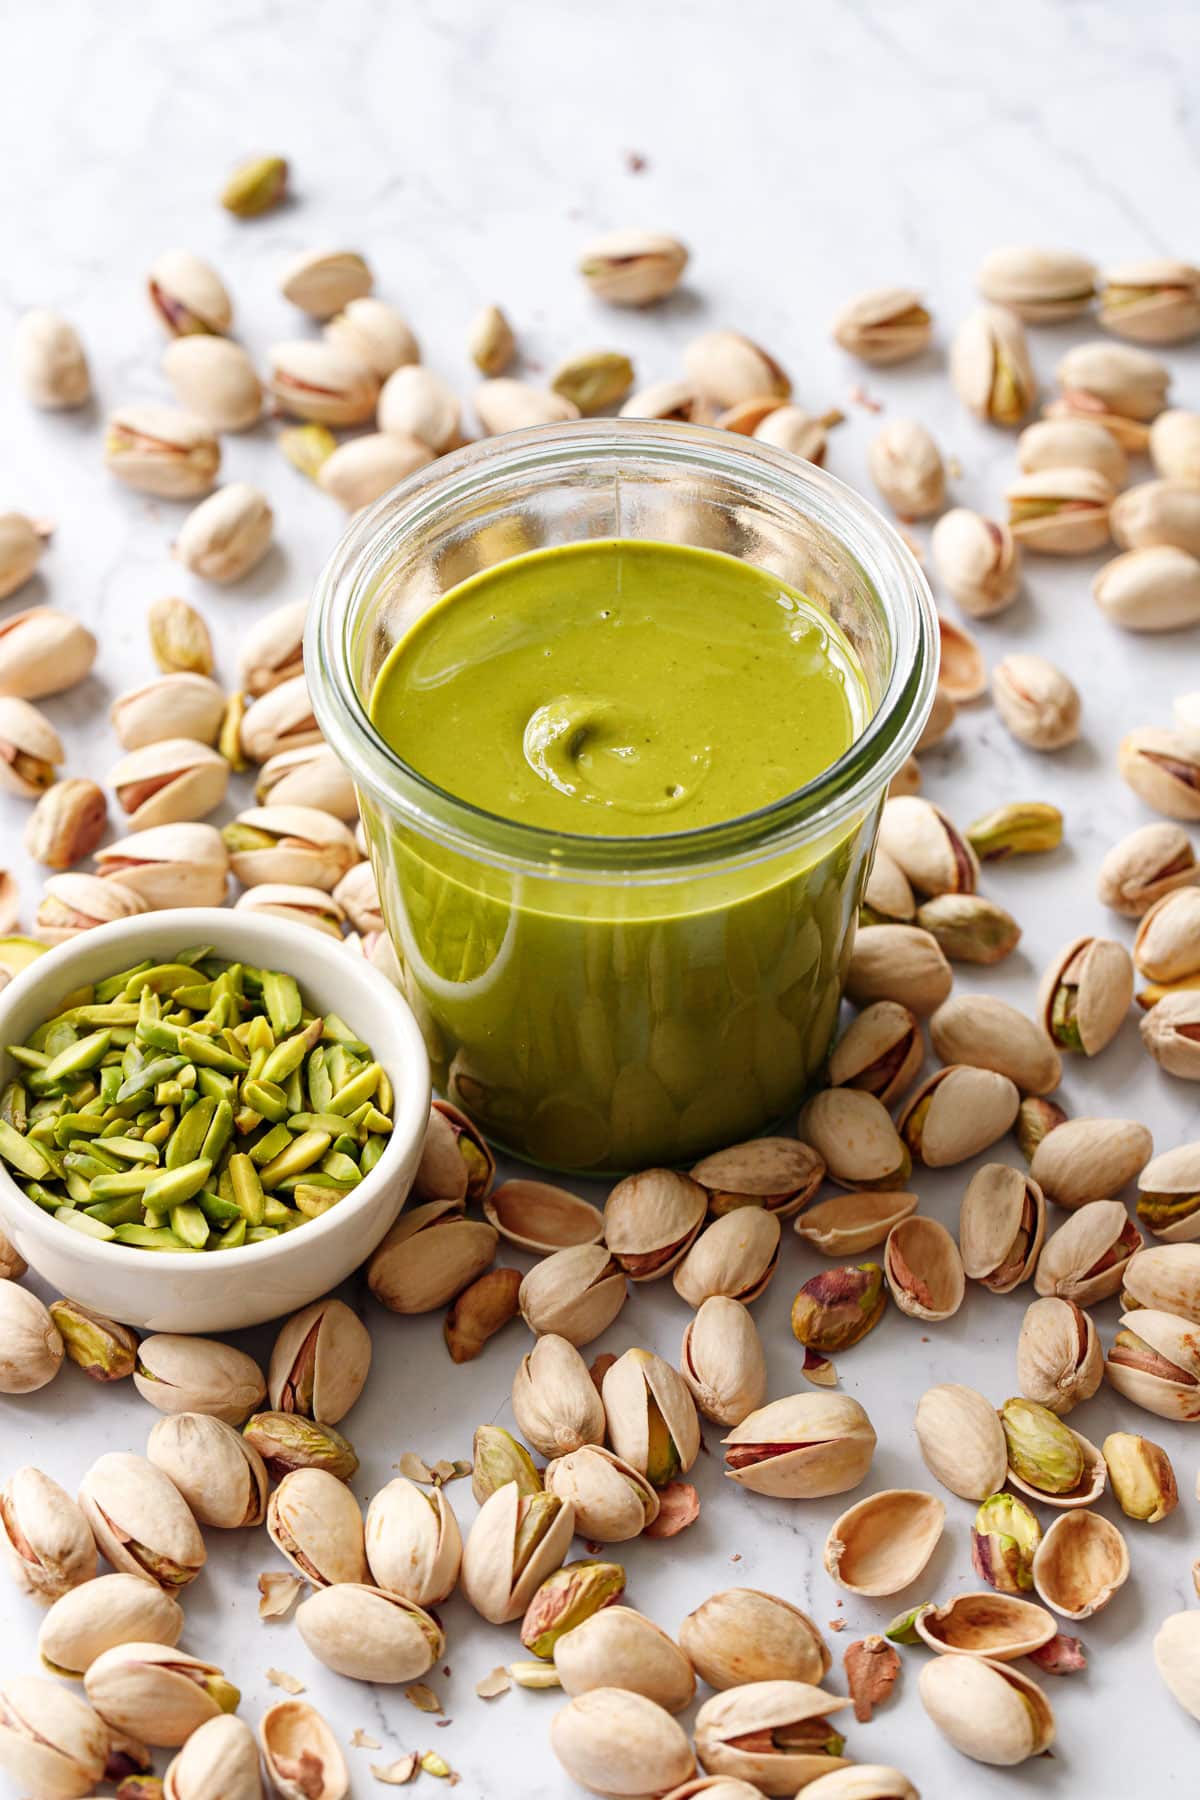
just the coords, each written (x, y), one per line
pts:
(612, 1501)
(575, 1293)
(884, 325)
(651, 1221)
(314, 1520)
(1093, 1159)
(1042, 286)
(45, 1536)
(1037, 702)
(1072, 443)
(1166, 1277)
(898, 962)
(157, 1693)
(1059, 1359)
(988, 1710)
(956, 1112)
(515, 1542)
(1177, 1659)
(853, 1134)
(320, 1361)
(413, 1543)
(803, 1446)
(882, 1544)
(742, 1635)
(617, 1647)
(1169, 1191)
(555, 1402)
(961, 1440)
(736, 1255)
(429, 1256)
(359, 1631)
(722, 1360)
(1085, 1259)
(651, 1416)
(887, 897)
(988, 1033)
(180, 1374)
(1154, 1361)
(113, 1609)
(1129, 382)
(1085, 994)
(925, 844)
(778, 1174)
(52, 1743)
(620, 1743)
(775, 1734)
(1002, 1222)
(218, 1471)
(977, 561)
(140, 1520)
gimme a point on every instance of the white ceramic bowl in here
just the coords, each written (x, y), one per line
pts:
(223, 1290)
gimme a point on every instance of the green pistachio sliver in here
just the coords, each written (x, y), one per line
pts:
(219, 1132)
(300, 1155)
(187, 1139)
(248, 1194)
(68, 1127)
(79, 1221)
(114, 985)
(216, 1210)
(82, 1053)
(116, 1187)
(24, 1157)
(117, 1212)
(287, 1057)
(116, 1012)
(150, 1237)
(333, 1123)
(266, 1098)
(281, 997)
(169, 1188)
(372, 1150)
(189, 1223)
(131, 1149)
(320, 1087)
(145, 1079)
(270, 1145)
(210, 1054)
(360, 1087)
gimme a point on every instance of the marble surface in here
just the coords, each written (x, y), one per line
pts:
(803, 152)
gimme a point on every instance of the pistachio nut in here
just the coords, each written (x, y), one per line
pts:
(321, 382)
(375, 333)
(1038, 703)
(1040, 286)
(977, 561)
(100, 1347)
(157, 1693)
(1177, 1659)
(885, 325)
(554, 1399)
(1046, 1458)
(413, 1543)
(322, 282)
(52, 1743)
(73, 903)
(140, 1520)
(1085, 994)
(617, 1742)
(169, 781)
(43, 651)
(927, 847)
(219, 1472)
(301, 1751)
(46, 1540)
(970, 928)
(1151, 862)
(907, 468)
(1059, 1359)
(1084, 1260)
(364, 468)
(281, 719)
(1001, 1227)
(593, 380)
(741, 1635)
(664, 400)
(179, 638)
(880, 1053)
(491, 343)
(1153, 302)
(651, 1221)
(114, 1609)
(618, 1648)
(161, 450)
(1020, 828)
(566, 1600)
(320, 1361)
(1162, 768)
(1035, 1119)
(456, 1163)
(1060, 512)
(430, 1254)
(1004, 1538)
(68, 821)
(287, 1441)
(1169, 1187)
(255, 186)
(722, 1360)
(307, 447)
(214, 380)
(779, 1175)
(802, 1447)
(310, 776)
(1155, 1362)
(1141, 1476)
(727, 368)
(12, 1263)
(838, 1307)
(988, 1710)
(187, 295)
(882, 1544)
(304, 905)
(30, 750)
(851, 1130)
(651, 1416)
(991, 368)
(31, 1349)
(775, 1734)
(170, 706)
(507, 405)
(313, 1519)
(1093, 1159)
(1129, 382)
(956, 1112)
(901, 963)
(887, 897)
(1175, 446)
(851, 1223)
(515, 1542)
(297, 845)
(497, 1460)
(22, 542)
(961, 1440)
(169, 865)
(50, 360)
(220, 1758)
(1072, 443)
(923, 1269)
(575, 1293)
(611, 1501)
(736, 1256)
(1154, 589)
(985, 1031)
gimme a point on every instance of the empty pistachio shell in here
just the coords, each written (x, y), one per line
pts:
(1001, 1227)
(962, 673)
(923, 1269)
(852, 1132)
(997, 1625)
(375, 333)
(508, 405)
(1144, 866)
(115, 1609)
(161, 450)
(359, 1631)
(1080, 1564)
(1084, 1259)
(885, 325)
(52, 1743)
(775, 1734)
(1129, 382)
(299, 1748)
(611, 1501)
(722, 1360)
(777, 1174)
(1093, 1160)
(851, 1223)
(880, 1052)
(804, 1446)
(619, 1648)
(220, 1475)
(736, 1256)
(961, 1440)
(989, 1711)
(958, 1111)
(538, 1216)
(140, 1521)
(991, 368)
(651, 1416)
(1155, 1362)
(1162, 768)
(901, 963)
(1041, 286)
(321, 382)
(651, 1220)
(555, 1401)
(1075, 443)
(1175, 446)
(1155, 589)
(575, 1293)
(1059, 1359)
(50, 361)
(741, 1635)
(1153, 302)
(43, 651)
(1141, 1477)
(977, 561)
(633, 268)
(942, 713)
(620, 1743)
(45, 1537)
(728, 368)
(21, 547)
(882, 1543)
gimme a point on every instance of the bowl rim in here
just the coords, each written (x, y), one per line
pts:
(299, 943)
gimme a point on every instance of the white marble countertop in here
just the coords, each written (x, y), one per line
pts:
(804, 153)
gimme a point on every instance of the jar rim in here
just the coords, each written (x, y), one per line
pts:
(836, 796)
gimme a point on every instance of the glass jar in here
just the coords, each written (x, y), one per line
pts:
(603, 1003)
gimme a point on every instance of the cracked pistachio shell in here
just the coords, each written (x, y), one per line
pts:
(1060, 512)
(305, 905)
(1154, 589)
(885, 325)
(988, 1033)
(851, 1223)
(742, 1634)
(887, 896)
(962, 673)
(221, 1476)
(1001, 1226)
(170, 782)
(1129, 382)
(1177, 1659)
(43, 651)
(281, 719)
(722, 1360)
(1080, 1563)
(21, 548)
(429, 1256)
(1167, 1276)
(214, 379)
(310, 776)
(736, 1256)
(294, 1737)
(1059, 1359)
(862, 1781)
(651, 1416)
(880, 1052)
(923, 1269)
(272, 651)
(319, 1363)
(620, 1743)
(374, 332)
(985, 1623)
(1038, 703)
(221, 1758)
(321, 382)
(776, 1174)
(414, 1546)
(575, 1294)
(977, 561)
(140, 1520)
(727, 368)
(907, 468)
(554, 1399)
(633, 268)
(1085, 994)
(928, 848)
(1155, 1362)
(456, 1163)
(156, 1693)
(791, 428)
(612, 1502)
(360, 1632)
(415, 404)
(500, 1571)
(187, 295)
(322, 282)
(901, 963)
(506, 405)
(170, 706)
(1153, 302)
(762, 1711)
(801, 1447)
(228, 534)
(52, 1743)
(313, 1519)
(1159, 513)
(198, 1375)
(294, 844)
(1040, 286)
(1167, 945)
(169, 865)
(50, 360)
(1094, 1160)
(989, 1711)
(956, 1112)
(1084, 1260)
(47, 1541)
(853, 1133)
(31, 1346)
(1072, 444)
(651, 1221)
(961, 1440)
(1143, 867)
(72, 903)
(161, 450)
(991, 368)
(1175, 446)
(1162, 768)
(114, 1609)
(364, 468)
(882, 1544)
(620, 1648)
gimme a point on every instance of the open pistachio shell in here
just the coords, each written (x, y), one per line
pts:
(956, 1112)
(887, 897)
(554, 1399)
(1001, 1226)
(988, 1710)
(219, 1473)
(1169, 1196)
(612, 1502)
(924, 1269)
(961, 1440)
(46, 1539)
(651, 1416)
(741, 1635)
(413, 1543)
(999, 1626)
(736, 1256)
(651, 1220)
(1080, 1563)
(962, 673)
(1166, 1277)
(1059, 1359)
(801, 1447)
(618, 1647)
(778, 1174)
(538, 1216)
(722, 1360)
(850, 1223)
(1085, 1259)
(620, 1743)
(320, 1361)
(780, 1754)
(495, 1578)
(140, 1520)
(1083, 1160)
(882, 1543)
(1155, 1362)
(1085, 994)
(157, 1693)
(881, 1052)
(576, 1293)
(314, 1520)
(301, 1753)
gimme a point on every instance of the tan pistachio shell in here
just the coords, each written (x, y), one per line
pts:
(620, 1648)
(1167, 1278)
(818, 1444)
(141, 1521)
(1163, 769)
(575, 1294)
(651, 1220)
(722, 1360)
(1080, 1563)
(985, 1623)
(1090, 1487)
(56, 1745)
(923, 1269)
(220, 1758)
(487, 1574)
(1001, 1225)
(962, 672)
(1072, 444)
(214, 379)
(172, 781)
(882, 1543)
(898, 962)
(968, 1109)
(1041, 286)
(1169, 1033)
(778, 1174)
(1166, 946)
(1175, 445)
(1059, 1359)
(728, 368)
(862, 1781)
(45, 1537)
(991, 368)
(987, 1032)
(1037, 702)
(113, 1609)
(1083, 1160)
(1099, 1234)
(1129, 382)
(155, 1693)
(715, 1787)
(735, 1256)
(413, 1542)
(853, 1134)
(635, 1387)
(887, 896)
(1177, 1659)
(619, 1743)
(198, 1375)
(554, 1399)
(756, 1711)
(884, 325)
(741, 1635)
(850, 1223)
(989, 1711)
(221, 1476)
(1175, 1172)
(540, 1217)
(294, 1737)
(927, 846)
(429, 1256)
(314, 1520)
(612, 1502)
(1169, 1395)
(1070, 511)
(961, 1440)
(320, 1361)
(361, 1632)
